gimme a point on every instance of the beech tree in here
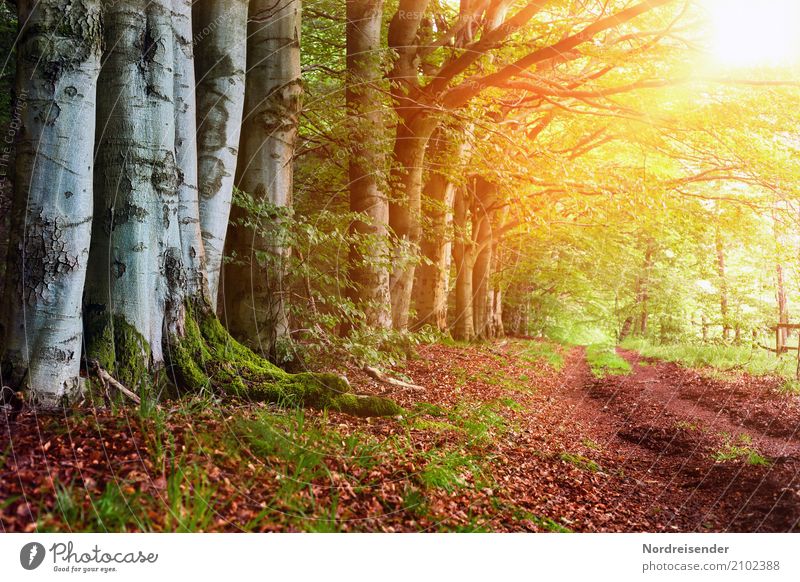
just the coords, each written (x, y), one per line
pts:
(424, 86)
(147, 304)
(368, 256)
(220, 62)
(58, 62)
(255, 302)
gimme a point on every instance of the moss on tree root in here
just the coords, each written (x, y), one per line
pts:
(207, 356)
(118, 348)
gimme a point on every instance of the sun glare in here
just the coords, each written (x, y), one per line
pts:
(750, 33)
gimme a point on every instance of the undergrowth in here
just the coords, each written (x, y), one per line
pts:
(604, 361)
(722, 358)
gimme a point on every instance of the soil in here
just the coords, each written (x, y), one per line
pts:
(667, 426)
(662, 449)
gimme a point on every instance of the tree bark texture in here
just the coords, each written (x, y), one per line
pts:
(405, 211)
(463, 259)
(432, 274)
(193, 250)
(369, 250)
(255, 298)
(58, 61)
(136, 284)
(483, 226)
(220, 62)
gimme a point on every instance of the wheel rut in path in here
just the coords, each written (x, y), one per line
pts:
(695, 441)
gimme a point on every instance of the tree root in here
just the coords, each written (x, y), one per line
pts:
(208, 357)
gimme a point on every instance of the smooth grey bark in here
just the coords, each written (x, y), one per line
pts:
(58, 62)
(483, 227)
(464, 260)
(220, 61)
(405, 211)
(254, 294)
(192, 247)
(135, 287)
(369, 251)
(445, 155)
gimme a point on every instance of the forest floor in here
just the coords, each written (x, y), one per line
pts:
(519, 436)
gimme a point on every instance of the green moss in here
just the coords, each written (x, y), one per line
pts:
(99, 339)
(119, 348)
(133, 355)
(208, 356)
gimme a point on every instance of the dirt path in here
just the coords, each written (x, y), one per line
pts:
(504, 442)
(666, 424)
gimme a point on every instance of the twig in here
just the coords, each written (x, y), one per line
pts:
(376, 374)
(105, 377)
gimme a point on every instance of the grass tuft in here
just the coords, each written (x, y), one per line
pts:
(604, 361)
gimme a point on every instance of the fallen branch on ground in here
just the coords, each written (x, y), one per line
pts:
(379, 376)
(108, 379)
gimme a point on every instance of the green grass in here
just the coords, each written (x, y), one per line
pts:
(580, 461)
(449, 471)
(537, 351)
(604, 361)
(740, 448)
(111, 511)
(754, 361)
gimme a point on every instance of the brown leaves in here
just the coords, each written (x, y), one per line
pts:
(512, 446)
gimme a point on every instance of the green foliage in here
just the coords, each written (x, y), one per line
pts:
(580, 461)
(329, 325)
(603, 361)
(550, 352)
(723, 358)
(739, 448)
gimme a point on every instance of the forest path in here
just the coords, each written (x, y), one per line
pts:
(700, 439)
(502, 437)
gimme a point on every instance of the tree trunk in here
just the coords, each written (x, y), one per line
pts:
(220, 30)
(625, 330)
(136, 277)
(254, 295)
(369, 251)
(58, 62)
(723, 287)
(496, 328)
(193, 250)
(783, 307)
(483, 211)
(432, 275)
(405, 210)
(464, 259)
(643, 291)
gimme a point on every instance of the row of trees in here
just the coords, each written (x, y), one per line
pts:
(136, 119)
(174, 184)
